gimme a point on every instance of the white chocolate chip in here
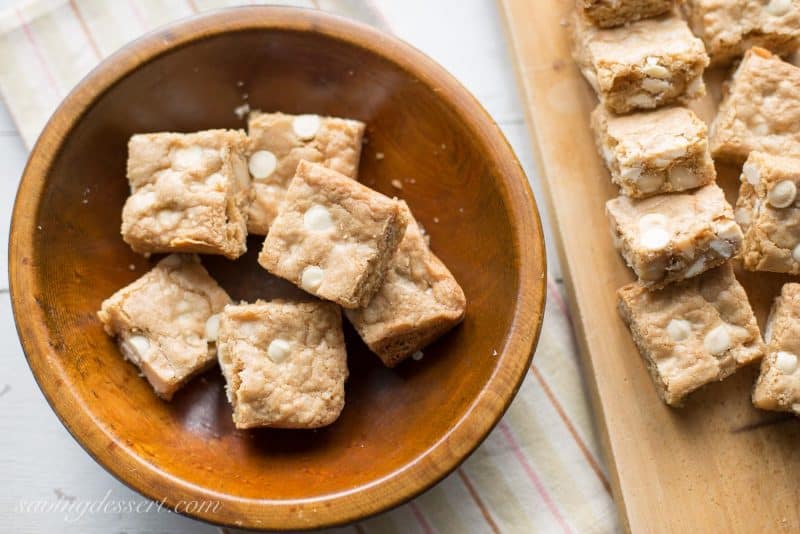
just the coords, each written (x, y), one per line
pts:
(216, 181)
(306, 126)
(751, 174)
(778, 8)
(139, 343)
(187, 158)
(168, 218)
(743, 216)
(417, 356)
(652, 60)
(682, 177)
(278, 350)
(212, 327)
(679, 329)
(696, 268)
(311, 278)
(630, 173)
(717, 340)
(262, 164)
(782, 194)
(796, 253)
(652, 220)
(654, 85)
(786, 362)
(654, 238)
(317, 219)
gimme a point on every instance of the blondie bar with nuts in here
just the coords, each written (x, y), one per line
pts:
(778, 385)
(189, 193)
(652, 152)
(768, 210)
(668, 238)
(692, 333)
(333, 237)
(418, 301)
(731, 27)
(277, 144)
(284, 363)
(760, 111)
(166, 321)
(642, 65)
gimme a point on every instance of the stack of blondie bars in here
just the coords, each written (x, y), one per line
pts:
(292, 178)
(689, 316)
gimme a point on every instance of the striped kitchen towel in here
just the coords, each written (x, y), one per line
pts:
(539, 470)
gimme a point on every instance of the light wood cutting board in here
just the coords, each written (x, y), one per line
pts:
(717, 464)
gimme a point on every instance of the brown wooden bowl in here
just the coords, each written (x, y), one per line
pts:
(402, 430)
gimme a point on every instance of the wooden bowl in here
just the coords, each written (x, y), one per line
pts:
(402, 430)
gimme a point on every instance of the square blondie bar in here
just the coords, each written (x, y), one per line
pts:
(668, 238)
(166, 321)
(277, 144)
(778, 386)
(731, 27)
(333, 237)
(610, 13)
(284, 363)
(760, 111)
(654, 152)
(768, 210)
(642, 65)
(418, 301)
(189, 193)
(692, 333)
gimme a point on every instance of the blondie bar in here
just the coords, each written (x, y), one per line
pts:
(654, 152)
(277, 144)
(692, 333)
(672, 237)
(778, 386)
(284, 363)
(610, 13)
(642, 65)
(768, 210)
(166, 321)
(189, 193)
(333, 237)
(418, 301)
(730, 27)
(760, 111)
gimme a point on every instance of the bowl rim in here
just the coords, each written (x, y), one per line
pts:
(400, 485)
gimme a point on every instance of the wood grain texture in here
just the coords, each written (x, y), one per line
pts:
(402, 430)
(718, 464)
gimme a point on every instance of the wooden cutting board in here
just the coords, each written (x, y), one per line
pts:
(715, 465)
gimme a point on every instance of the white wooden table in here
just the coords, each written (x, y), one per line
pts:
(39, 460)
